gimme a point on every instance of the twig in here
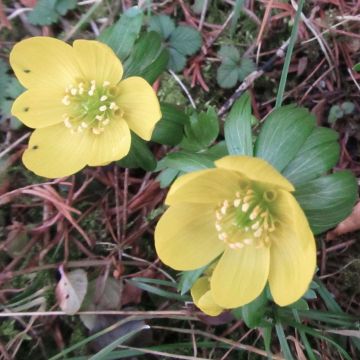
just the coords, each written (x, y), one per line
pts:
(14, 144)
(186, 91)
(248, 81)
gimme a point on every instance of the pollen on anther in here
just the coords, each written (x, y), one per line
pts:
(66, 100)
(103, 98)
(102, 108)
(245, 207)
(91, 92)
(84, 125)
(106, 122)
(67, 123)
(99, 117)
(73, 91)
(237, 202)
(218, 215)
(255, 226)
(258, 232)
(218, 226)
(113, 106)
(96, 131)
(223, 236)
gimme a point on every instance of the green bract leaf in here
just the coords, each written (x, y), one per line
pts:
(122, 35)
(139, 155)
(188, 278)
(44, 13)
(167, 176)
(253, 313)
(148, 58)
(186, 40)
(327, 200)
(217, 151)
(177, 60)
(162, 24)
(201, 130)
(237, 127)
(186, 162)
(318, 155)
(283, 134)
(170, 129)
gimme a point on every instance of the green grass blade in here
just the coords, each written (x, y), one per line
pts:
(284, 73)
(283, 342)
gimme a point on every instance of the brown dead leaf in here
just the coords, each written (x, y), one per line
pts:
(350, 224)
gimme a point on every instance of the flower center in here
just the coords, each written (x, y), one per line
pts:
(246, 219)
(90, 105)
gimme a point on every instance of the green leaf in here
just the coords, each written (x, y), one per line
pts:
(177, 61)
(227, 75)
(327, 200)
(217, 151)
(198, 6)
(188, 278)
(201, 130)
(283, 134)
(301, 304)
(229, 55)
(44, 13)
(162, 24)
(247, 66)
(148, 59)
(254, 312)
(139, 155)
(237, 127)
(122, 35)
(318, 155)
(63, 6)
(167, 176)
(186, 40)
(186, 162)
(283, 342)
(357, 67)
(335, 113)
(170, 129)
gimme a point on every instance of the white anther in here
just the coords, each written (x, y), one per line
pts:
(102, 108)
(255, 213)
(218, 215)
(237, 202)
(239, 245)
(66, 100)
(106, 122)
(258, 232)
(96, 131)
(248, 198)
(113, 106)
(245, 207)
(91, 92)
(237, 194)
(79, 129)
(250, 192)
(223, 236)
(73, 91)
(81, 91)
(84, 125)
(255, 226)
(93, 83)
(246, 228)
(103, 98)
(218, 226)
(106, 83)
(80, 85)
(67, 123)
(248, 241)
(99, 117)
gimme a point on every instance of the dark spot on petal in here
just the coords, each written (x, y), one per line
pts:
(26, 71)
(35, 147)
(67, 296)
(117, 112)
(26, 109)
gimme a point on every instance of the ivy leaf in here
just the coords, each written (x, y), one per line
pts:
(201, 130)
(162, 24)
(186, 40)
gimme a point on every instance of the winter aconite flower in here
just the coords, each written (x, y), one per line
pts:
(242, 213)
(81, 109)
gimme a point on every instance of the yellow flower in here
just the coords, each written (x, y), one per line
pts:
(243, 213)
(81, 109)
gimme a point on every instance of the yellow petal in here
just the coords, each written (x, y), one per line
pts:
(293, 252)
(240, 276)
(140, 105)
(203, 299)
(54, 152)
(44, 62)
(204, 186)
(255, 169)
(98, 62)
(113, 144)
(186, 238)
(39, 107)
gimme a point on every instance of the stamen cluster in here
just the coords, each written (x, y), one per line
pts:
(90, 106)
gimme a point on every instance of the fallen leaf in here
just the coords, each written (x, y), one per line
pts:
(71, 289)
(350, 224)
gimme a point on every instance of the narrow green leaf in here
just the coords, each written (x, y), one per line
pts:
(167, 176)
(162, 24)
(253, 313)
(186, 40)
(237, 9)
(185, 161)
(237, 127)
(170, 129)
(283, 342)
(201, 130)
(188, 278)
(122, 35)
(318, 155)
(267, 336)
(157, 67)
(139, 155)
(283, 134)
(327, 200)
